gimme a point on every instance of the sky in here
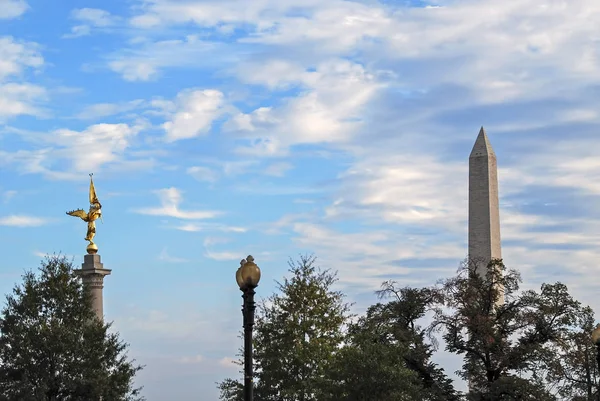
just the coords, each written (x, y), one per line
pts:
(218, 129)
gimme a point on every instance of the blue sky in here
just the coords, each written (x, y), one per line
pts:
(216, 129)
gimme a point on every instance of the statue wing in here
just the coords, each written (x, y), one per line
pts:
(79, 213)
(93, 197)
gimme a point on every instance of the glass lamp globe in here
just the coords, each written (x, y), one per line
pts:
(250, 273)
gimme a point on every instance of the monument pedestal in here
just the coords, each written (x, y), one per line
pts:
(92, 274)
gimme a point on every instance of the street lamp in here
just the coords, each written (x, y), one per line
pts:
(247, 277)
(596, 341)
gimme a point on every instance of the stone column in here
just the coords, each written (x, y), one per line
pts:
(92, 274)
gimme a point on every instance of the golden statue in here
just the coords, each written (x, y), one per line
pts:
(90, 217)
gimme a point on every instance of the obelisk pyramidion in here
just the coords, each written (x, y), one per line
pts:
(484, 214)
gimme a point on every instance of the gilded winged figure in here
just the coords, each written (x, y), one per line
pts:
(90, 217)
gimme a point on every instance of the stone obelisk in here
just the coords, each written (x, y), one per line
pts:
(484, 213)
(484, 210)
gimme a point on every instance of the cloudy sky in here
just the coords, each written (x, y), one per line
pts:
(216, 129)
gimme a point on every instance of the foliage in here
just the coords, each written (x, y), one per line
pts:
(503, 342)
(387, 356)
(297, 334)
(53, 348)
(570, 363)
(516, 345)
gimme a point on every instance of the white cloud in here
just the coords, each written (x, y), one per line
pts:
(517, 49)
(327, 29)
(284, 223)
(567, 163)
(165, 257)
(95, 146)
(93, 16)
(78, 30)
(196, 227)
(19, 220)
(191, 359)
(12, 8)
(335, 26)
(219, 255)
(329, 111)
(501, 52)
(274, 73)
(228, 362)
(170, 198)
(232, 168)
(195, 112)
(201, 173)
(209, 13)
(90, 18)
(192, 228)
(15, 56)
(99, 110)
(369, 257)
(278, 169)
(20, 99)
(403, 189)
(145, 59)
(99, 145)
(335, 19)
(8, 195)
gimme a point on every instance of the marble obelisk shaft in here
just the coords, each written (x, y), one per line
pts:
(92, 274)
(484, 213)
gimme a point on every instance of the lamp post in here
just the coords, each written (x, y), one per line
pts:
(247, 277)
(596, 341)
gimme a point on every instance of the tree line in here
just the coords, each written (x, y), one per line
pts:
(535, 345)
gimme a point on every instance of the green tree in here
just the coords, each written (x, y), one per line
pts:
(503, 343)
(297, 334)
(53, 348)
(570, 363)
(387, 353)
(368, 369)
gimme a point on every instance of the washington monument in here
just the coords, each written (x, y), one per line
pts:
(484, 214)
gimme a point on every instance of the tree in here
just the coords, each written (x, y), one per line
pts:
(52, 347)
(297, 334)
(368, 369)
(387, 355)
(503, 343)
(570, 363)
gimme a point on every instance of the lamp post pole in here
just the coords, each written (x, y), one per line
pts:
(596, 341)
(598, 362)
(247, 277)
(248, 352)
